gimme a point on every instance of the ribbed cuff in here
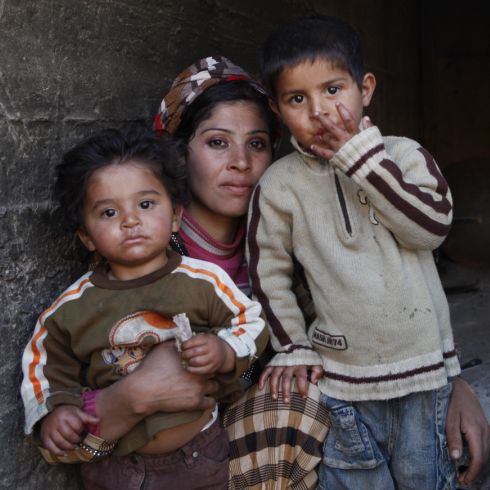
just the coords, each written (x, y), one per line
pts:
(89, 406)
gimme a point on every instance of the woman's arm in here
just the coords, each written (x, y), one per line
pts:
(160, 384)
(466, 421)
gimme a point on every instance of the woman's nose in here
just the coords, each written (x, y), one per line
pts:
(240, 159)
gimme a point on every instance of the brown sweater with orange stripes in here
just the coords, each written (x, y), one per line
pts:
(363, 226)
(100, 329)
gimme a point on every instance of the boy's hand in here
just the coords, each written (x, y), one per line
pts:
(208, 354)
(62, 429)
(283, 375)
(336, 135)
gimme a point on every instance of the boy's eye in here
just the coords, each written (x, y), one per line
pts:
(146, 204)
(332, 90)
(109, 213)
(217, 143)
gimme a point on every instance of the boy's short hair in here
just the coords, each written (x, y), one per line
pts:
(307, 39)
(113, 146)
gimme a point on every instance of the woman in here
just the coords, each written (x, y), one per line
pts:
(222, 118)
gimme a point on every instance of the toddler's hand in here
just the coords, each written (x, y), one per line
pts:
(62, 429)
(283, 375)
(336, 135)
(208, 354)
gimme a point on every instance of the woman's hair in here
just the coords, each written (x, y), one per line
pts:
(115, 147)
(203, 106)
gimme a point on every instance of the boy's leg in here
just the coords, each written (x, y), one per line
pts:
(420, 457)
(355, 449)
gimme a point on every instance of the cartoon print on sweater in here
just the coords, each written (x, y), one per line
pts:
(363, 199)
(132, 337)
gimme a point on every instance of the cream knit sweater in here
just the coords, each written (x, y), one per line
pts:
(363, 225)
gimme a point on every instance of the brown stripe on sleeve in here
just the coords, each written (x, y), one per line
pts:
(442, 186)
(274, 322)
(406, 208)
(364, 158)
(442, 206)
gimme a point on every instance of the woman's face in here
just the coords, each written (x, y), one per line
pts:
(227, 155)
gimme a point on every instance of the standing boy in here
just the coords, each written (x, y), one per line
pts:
(362, 214)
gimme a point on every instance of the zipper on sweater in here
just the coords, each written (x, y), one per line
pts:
(343, 206)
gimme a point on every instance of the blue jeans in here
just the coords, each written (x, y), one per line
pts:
(388, 444)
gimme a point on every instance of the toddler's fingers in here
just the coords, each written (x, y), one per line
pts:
(286, 387)
(274, 381)
(302, 384)
(321, 152)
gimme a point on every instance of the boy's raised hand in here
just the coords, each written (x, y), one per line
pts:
(62, 429)
(281, 377)
(336, 135)
(208, 354)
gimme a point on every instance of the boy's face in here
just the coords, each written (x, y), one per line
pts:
(311, 88)
(128, 219)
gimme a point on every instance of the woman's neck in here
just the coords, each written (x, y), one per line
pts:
(221, 228)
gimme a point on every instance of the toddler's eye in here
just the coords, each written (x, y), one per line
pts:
(146, 204)
(332, 90)
(109, 213)
(296, 99)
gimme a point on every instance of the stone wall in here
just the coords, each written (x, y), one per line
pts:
(71, 67)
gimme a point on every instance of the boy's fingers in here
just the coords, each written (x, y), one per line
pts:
(347, 118)
(366, 122)
(286, 386)
(263, 377)
(324, 153)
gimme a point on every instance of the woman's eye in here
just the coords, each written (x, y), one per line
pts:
(332, 90)
(217, 143)
(259, 144)
(296, 99)
(109, 213)
(146, 204)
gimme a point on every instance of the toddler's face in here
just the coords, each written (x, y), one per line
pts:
(309, 88)
(128, 219)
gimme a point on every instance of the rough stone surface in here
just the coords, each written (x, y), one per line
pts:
(71, 67)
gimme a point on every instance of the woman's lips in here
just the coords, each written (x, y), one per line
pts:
(236, 188)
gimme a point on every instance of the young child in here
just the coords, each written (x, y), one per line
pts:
(123, 194)
(362, 214)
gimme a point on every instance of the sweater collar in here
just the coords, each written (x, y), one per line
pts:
(314, 162)
(197, 235)
(100, 278)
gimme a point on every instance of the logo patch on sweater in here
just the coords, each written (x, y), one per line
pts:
(324, 339)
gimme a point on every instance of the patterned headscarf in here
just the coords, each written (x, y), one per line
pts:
(192, 82)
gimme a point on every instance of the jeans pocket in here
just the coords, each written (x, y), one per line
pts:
(446, 476)
(349, 443)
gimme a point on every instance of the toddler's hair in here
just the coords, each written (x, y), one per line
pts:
(116, 147)
(311, 38)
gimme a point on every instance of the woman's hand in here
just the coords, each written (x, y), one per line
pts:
(208, 354)
(159, 384)
(62, 429)
(466, 420)
(281, 378)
